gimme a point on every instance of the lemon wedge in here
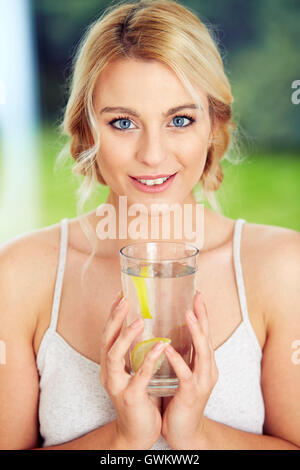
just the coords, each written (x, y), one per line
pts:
(141, 290)
(141, 349)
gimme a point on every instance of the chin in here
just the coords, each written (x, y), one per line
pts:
(149, 201)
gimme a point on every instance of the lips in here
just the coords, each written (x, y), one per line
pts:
(154, 188)
(152, 177)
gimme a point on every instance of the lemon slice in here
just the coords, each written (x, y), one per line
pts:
(140, 350)
(141, 290)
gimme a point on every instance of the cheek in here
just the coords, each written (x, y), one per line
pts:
(193, 151)
(113, 156)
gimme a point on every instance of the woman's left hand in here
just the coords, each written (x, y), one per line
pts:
(183, 419)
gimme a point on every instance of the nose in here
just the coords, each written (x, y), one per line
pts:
(152, 149)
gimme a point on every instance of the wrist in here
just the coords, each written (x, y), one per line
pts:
(201, 437)
(199, 440)
(121, 442)
(118, 442)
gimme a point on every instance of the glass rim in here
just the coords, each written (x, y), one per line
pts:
(197, 251)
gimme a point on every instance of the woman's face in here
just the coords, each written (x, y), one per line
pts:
(149, 138)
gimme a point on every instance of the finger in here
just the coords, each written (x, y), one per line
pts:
(113, 326)
(116, 300)
(116, 308)
(142, 377)
(116, 318)
(200, 311)
(156, 400)
(116, 353)
(202, 350)
(182, 370)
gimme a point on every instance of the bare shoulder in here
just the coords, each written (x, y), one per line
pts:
(273, 255)
(28, 265)
(273, 246)
(27, 268)
(31, 252)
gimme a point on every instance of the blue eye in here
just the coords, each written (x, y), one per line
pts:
(125, 122)
(180, 120)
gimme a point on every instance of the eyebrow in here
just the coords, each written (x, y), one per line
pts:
(121, 109)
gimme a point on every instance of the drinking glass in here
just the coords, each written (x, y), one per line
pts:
(159, 282)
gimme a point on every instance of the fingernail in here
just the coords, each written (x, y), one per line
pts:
(137, 323)
(159, 346)
(121, 302)
(118, 296)
(169, 349)
(192, 317)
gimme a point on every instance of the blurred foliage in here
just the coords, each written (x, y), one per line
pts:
(258, 41)
(263, 73)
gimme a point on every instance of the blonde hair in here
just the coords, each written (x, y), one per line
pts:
(163, 30)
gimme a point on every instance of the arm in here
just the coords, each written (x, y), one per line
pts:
(218, 436)
(278, 281)
(100, 439)
(25, 270)
(22, 291)
(19, 385)
(279, 284)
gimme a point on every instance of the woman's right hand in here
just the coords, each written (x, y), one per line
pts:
(139, 422)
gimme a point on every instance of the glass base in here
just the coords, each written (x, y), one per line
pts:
(163, 387)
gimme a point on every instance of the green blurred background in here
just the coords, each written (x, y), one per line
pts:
(259, 44)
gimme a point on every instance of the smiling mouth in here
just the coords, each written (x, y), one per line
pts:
(152, 184)
(152, 180)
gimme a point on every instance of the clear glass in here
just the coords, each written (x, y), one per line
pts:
(159, 281)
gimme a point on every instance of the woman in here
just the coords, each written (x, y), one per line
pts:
(61, 318)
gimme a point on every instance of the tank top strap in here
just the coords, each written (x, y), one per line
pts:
(59, 273)
(240, 281)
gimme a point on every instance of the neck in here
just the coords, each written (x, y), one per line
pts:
(187, 221)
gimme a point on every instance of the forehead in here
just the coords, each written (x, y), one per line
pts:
(128, 81)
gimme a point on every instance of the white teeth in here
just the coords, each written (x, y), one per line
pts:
(152, 182)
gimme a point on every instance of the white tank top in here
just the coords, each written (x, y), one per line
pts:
(73, 402)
